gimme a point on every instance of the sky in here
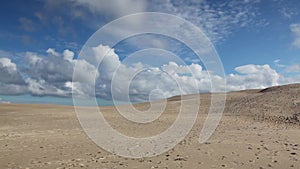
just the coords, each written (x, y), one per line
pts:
(258, 43)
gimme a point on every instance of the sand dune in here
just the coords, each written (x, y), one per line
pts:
(280, 104)
(259, 129)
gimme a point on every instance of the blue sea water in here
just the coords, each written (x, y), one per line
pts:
(28, 99)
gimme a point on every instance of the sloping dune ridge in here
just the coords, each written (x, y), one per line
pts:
(259, 129)
(279, 104)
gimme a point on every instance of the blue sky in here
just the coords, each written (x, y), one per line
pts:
(246, 34)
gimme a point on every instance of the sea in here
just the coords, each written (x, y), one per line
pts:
(29, 99)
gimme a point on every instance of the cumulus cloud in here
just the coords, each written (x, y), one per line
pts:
(48, 75)
(12, 89)
(68, 55)
(295, 29)
(52, 74)
(9, 73)
(41, 88)
(109, 61)
(139, 80)
(170, 79)
(252, 76)
(52, 51)
(290, 79)
(11, 81)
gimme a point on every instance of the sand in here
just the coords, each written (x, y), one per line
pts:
(259, 129)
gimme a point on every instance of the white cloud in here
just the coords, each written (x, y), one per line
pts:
(293, 68)
(170, 79)
(288, 9)
(41, 88)
(33, 58)
(52, 75)
(217, 19)
(6, 63)
(80, 89)
(52, 51)
(5, 54)
(139, 80)
(68, 55)
(252, 76)
(295, 29)
(12, 89)
(192, 60)
(290, 79)
(11, 81)
(115, 8)
(288, 13)
(108, 58)
(277, 63)
(8, 72)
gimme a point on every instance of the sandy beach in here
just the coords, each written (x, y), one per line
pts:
(259, 129)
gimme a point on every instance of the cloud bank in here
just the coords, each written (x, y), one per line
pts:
(51, 74)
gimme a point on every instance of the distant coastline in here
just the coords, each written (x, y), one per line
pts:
(28, 99)
(68, 101)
